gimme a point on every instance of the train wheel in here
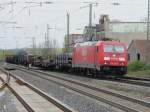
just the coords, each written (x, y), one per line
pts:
(95, 74)
(103, 75)
(70, 70)
(87, 72)
(100, 75)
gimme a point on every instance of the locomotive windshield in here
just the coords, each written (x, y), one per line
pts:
(113, 48)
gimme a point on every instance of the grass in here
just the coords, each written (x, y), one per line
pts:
(142, 73)
(124, 88)
(138, 69)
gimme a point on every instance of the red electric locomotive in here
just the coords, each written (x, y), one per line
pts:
(102, 57)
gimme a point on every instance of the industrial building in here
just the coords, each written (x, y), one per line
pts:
(118, 30)
(127, 31)
(139, 50)
(112, 29)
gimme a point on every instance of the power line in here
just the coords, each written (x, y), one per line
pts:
(8, 22)
(148, 21)
(68, 31)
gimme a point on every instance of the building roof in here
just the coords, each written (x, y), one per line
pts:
(142, 45)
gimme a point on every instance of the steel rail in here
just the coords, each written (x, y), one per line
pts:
(57, 103)
(141, 102)
(3, 84)
(22, 101)
(137, 78)
(119, 106)
(130, 81)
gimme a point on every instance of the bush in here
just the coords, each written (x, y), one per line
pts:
(137, 66)
(146, 67)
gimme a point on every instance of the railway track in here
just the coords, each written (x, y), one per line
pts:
(135, 81)
(128, 80)
(119, 101)
(136, 78)
(59, 106)
(7, 85)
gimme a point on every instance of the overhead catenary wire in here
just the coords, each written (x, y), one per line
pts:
(56, 2)
(80, 8)
(76, 11)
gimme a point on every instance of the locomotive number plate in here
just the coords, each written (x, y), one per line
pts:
(114, 59)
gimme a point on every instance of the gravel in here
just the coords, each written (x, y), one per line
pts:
(75, 100)
(9, 103)
(136, 91)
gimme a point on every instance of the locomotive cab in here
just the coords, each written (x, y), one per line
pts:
(108, 57)
(113, 57)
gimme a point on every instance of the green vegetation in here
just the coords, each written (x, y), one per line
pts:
(144, 74)
(136, 66)
(138, 69)
(3, 53)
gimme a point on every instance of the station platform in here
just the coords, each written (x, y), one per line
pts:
(37, 102)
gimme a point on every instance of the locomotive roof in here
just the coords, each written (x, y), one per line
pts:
(110, 42)
(85, 43)
(90, 43)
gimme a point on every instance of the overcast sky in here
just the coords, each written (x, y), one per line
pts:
(33, 20)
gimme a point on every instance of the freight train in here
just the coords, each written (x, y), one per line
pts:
(99, 58)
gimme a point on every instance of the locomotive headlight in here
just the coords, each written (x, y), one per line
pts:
(106, 58)
(121, 59)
